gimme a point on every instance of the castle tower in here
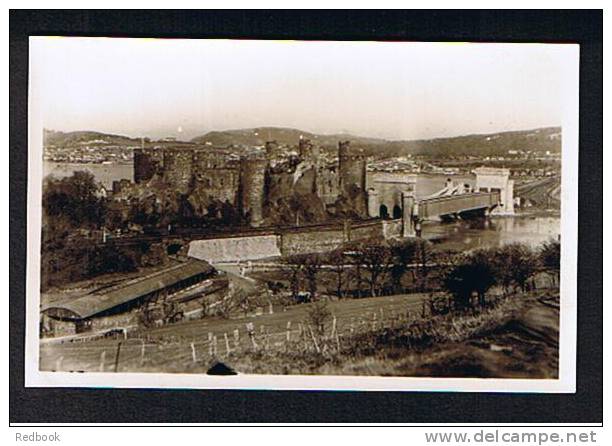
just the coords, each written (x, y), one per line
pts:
(352, 167)
(272, 150)
(147, 163)
(307, 151)
(252, 184)
(178, 168)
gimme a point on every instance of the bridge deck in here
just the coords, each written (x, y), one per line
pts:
(454, 204)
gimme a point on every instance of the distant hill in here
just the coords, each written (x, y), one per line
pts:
(548, 138)
(259, 135)
(85, 137)
(492, 144)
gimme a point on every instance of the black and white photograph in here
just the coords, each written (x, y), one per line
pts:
(286, 214)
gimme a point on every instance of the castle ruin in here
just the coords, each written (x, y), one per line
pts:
(260, 182)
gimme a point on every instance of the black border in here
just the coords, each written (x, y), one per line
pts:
(73, 405)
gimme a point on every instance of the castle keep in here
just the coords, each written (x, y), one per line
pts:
(261, 182)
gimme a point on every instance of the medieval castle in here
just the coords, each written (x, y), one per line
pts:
(262, 182)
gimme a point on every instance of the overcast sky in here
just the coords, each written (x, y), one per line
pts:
(184, 88)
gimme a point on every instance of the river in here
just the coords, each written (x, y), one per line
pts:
(104, 173)
(532, 229)
(464, 235)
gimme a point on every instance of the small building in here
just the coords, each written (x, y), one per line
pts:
(112, 306)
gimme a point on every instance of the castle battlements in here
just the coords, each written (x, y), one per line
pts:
(249, 181)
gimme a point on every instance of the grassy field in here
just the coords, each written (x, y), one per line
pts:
(513, 337)
(169, 348)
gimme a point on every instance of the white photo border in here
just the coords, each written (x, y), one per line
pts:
(566, 383)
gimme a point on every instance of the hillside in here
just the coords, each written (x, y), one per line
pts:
(543, 139)
(258, 136)
(479, 144)
(86, 137)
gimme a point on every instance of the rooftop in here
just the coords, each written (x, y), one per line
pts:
(107, 298)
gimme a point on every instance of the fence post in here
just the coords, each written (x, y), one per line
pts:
(117, 356)
(288, 331)
(102, 358)
(193, 353)
(313, 339)
(251, 332)
(227, 345)
(236, 338)
(142, 352)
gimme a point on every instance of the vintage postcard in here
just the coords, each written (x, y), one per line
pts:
(302, 215)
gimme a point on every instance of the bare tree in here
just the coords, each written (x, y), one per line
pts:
(473, 274)
(318, 315)
(338, 266)
(403, 253)
(550, 258)
(424, 256)
(294, 267)
(376, 259)
(520, 264)
(312, 264)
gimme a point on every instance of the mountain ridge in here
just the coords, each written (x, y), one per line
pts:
(484, 144)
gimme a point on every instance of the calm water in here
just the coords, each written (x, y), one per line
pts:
(104, 173)
(496, 231)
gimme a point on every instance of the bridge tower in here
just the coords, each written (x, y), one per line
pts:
(373, 203)
(492, 179)
(409, 211)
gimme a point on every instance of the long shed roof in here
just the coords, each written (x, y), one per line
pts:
(107, 298)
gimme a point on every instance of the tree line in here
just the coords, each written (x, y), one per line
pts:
(374, 268)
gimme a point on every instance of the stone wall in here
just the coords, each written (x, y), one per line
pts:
(290, 242)
(364, 231)
(305, 241)
(392, 228)
(327, 181)
(232, 249)
(177, 168)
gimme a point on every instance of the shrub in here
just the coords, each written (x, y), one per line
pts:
(318, 316)
(520, 264)
(475, 274)
(404, 254)
(550, 258)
